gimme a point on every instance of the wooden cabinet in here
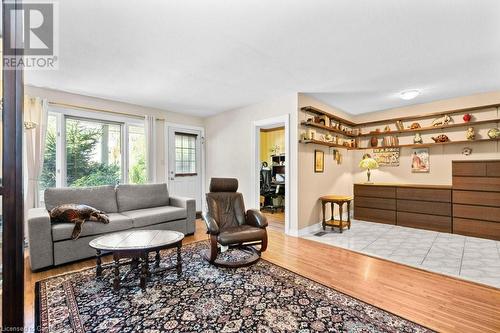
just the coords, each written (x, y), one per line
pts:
(476, 198)
(417, 206)
(471, 206)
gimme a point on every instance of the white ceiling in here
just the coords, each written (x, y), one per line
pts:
(206, 56)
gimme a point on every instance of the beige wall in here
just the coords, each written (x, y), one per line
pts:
(336, 179)
(339, 179)
(125, 108)
(229, 147)
(440, 156)
(269, 139)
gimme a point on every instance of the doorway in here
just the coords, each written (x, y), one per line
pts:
(271, 170)
(185, 168)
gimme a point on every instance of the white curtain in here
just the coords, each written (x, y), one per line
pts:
(150, 131)
(35, 130)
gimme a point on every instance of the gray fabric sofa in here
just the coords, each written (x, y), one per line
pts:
(128, 207)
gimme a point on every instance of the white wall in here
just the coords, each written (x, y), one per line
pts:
(229, 147)
(125, 108)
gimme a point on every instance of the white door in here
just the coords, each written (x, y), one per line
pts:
(184, 163)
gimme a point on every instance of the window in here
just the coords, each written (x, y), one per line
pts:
(93, 153)
(137, 172)
(83, 150)
(185, 154)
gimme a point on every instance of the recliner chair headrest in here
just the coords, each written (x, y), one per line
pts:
(223, 185)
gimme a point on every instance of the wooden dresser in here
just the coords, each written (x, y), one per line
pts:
(417, 206)
(476, 198)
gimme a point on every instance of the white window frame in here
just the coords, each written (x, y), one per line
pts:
(63, 113)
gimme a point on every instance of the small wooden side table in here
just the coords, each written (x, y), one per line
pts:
(340, 200)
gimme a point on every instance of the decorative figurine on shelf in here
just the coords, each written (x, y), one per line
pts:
(387, 128)
(399, 125)
(415, 126)
(441, 138)
(467, 117)
(442, 121)
(310, 133)
(368, 163)
(494, 133)
(337, 157)
(417, 139)
(374, 141)
(467, 151)
(470, 134)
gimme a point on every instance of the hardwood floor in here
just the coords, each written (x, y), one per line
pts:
(439, 302)
(276, 220)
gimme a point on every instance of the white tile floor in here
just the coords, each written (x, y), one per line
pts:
(469, 258)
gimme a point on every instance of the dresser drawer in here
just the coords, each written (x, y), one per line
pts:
(424, 207)
(477, 212)
(375, 191)
(476, 183)
(424, 221)
(477, 198)
(493, 169)
(474, 228)
(423, 194)
(370, 202)
(375, 215)
(474, 169)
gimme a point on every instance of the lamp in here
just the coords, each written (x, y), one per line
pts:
(368, 163)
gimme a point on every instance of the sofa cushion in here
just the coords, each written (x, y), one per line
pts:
(117, 222)
(149, 216)
(132, 197)
(100, 197)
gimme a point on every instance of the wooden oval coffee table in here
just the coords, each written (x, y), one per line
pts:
(136, 245)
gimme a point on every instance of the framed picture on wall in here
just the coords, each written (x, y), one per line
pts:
(420, 160)
(319, 161)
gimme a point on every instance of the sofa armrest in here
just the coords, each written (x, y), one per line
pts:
(40, 238)
(256, 218)
(190, 205)
(212, 227)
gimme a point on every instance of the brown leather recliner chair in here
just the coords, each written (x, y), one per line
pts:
(229, 225)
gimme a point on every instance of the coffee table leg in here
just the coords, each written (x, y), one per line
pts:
(98, 270)
(116, 280)
(144, 270)
(179, 260)
(157, 259)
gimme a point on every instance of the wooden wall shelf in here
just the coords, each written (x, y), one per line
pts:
(317, 111)
(414, 145)
(431, 128)
(432, 144)
(323, 143)
(327, 128)
(342, 121)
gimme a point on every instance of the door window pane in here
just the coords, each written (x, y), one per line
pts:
(93, 153)
(185, 154)
(137, 173)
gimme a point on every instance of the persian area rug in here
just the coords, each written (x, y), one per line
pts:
(260, 298)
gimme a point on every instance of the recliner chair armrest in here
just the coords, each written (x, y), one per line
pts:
(40, 238)
(212, 227)
(256, 218)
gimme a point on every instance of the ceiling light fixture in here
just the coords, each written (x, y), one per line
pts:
(409, 94)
